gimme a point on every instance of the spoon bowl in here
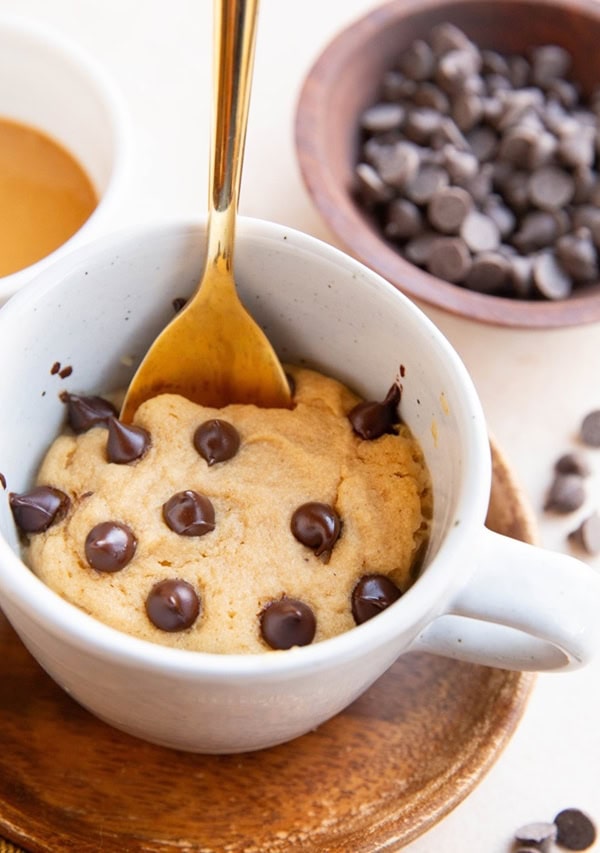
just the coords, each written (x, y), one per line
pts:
(213, 352)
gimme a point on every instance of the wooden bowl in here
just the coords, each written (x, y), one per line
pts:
(346, 79)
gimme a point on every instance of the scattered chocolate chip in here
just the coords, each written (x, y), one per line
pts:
(189, 513)
(39, 508)
(575, 830)
(287, 622)
(573, 463)
(125, 443)
(65, 372)
(55, 368)
(83, 413)
(566, 494)
(540, 834)
(216, 440)
(590, 429)
(370, 420)
(2, 481)
(110, 546)
(316, 525)
(173, 605)
(371, 595)
(587, 535)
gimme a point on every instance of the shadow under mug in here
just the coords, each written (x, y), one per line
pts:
(481, 597)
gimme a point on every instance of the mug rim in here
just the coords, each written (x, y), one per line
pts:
(99, 80)
(446, 570)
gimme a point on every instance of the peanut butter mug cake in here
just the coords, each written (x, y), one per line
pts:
(233, 530)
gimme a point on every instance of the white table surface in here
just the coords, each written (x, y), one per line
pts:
(535, 386)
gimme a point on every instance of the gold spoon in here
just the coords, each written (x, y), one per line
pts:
(213, 352)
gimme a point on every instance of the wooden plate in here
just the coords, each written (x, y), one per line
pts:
(379, 774)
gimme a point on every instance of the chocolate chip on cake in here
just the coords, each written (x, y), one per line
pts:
(371, 595)
(575, 830)
(216, 440)
(110, 546)
(173, 605)
(83, 413)
(37, 509)
(287, 622)
(189, 513)
(125, 443)
(370, 419)
(316, 525)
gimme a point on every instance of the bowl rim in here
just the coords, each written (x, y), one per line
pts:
(350, 225)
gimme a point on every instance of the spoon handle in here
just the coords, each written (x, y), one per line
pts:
(234, 40)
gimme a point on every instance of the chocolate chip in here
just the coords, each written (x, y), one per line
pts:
(189, 513)
(39, 508)
(551, 188)
(566, 493)
(316, 525)
(548, 63)
(173, 605)
(539, 229)
(426, 183)
(540, 834)
(590, 429)
(371, 419)
(371, 186)
(449, 259)
(83, 413)
(489, 273)
(575, 830)
(550, 279)
(573, 463)
(216, 440)
(383, 117)
(125, 443)
(417, 62)
(480, 233)
(178, 303)
(587, 535)
(398, 164)
(448, 208)
(404, 219)
(110, 546)
(2, 481)
(287, 622)
(371, 595)
(418, 249)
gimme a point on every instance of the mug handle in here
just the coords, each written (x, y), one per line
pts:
(523, 608)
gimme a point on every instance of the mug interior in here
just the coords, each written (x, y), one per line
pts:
(97, 311)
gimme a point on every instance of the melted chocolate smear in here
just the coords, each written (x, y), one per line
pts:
(83, 413)
(2, 481)
(291, 383)
(286, 623)
(371, 419)
(172, 605)
(36, 510)
(110, 546)
(216, 440)
(189, 513)
(178, 303)
(371, 595)
(316, 525)
(125, 443)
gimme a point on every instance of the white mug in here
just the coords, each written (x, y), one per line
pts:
(481, 597)
(53, 85)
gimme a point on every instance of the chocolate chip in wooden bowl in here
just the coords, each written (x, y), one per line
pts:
(566, 494)
(449, 259)
(575, 830)
(489, 273)
(448, 208)
(480, 232)
(549, 278)
(590, 429)
(587, 535)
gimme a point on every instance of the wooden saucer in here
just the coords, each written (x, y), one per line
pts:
(377, 775)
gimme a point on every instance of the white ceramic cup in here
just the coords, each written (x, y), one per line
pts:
(53, 85)
(482, 597)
